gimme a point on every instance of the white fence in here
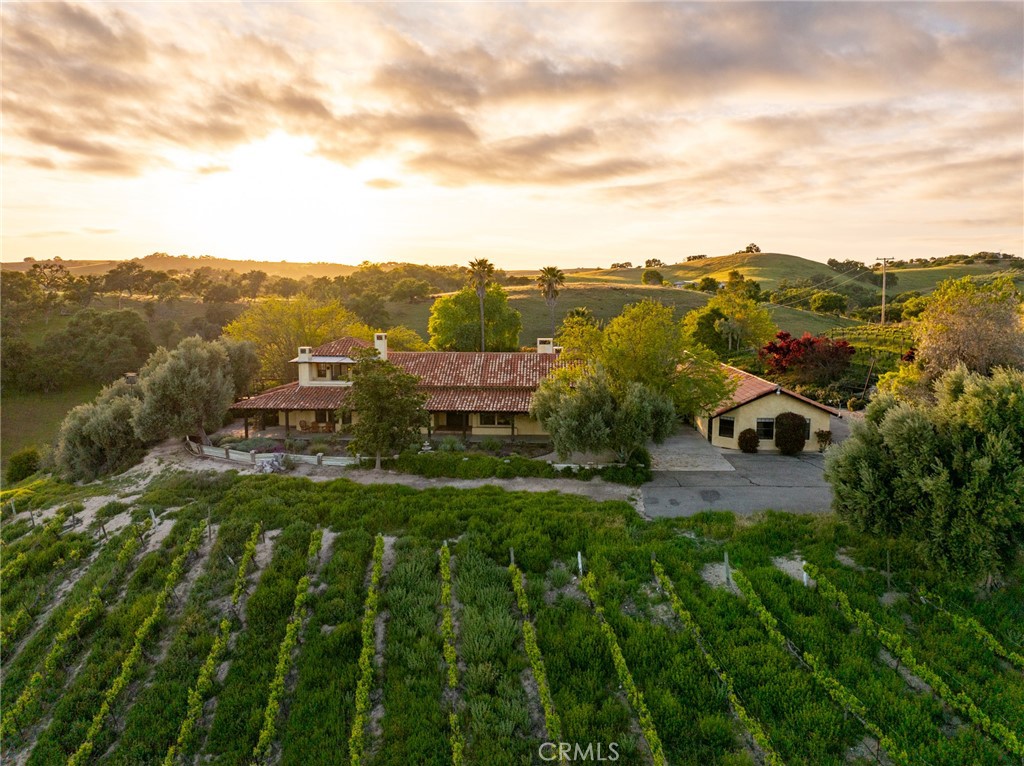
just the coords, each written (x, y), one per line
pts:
(252, 457)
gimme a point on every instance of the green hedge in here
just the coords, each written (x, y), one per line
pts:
(458, 465)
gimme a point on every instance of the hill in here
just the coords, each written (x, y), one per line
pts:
(606, 301)
(766, 268)
(165, 262)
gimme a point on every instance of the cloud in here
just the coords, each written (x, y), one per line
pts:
(208, 170)
(648, 104)
(95, 230)
(383, 183)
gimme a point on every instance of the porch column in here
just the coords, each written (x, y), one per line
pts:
(287, 422)
(245, 420)
(513, 426)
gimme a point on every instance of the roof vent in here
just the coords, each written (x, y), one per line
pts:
(545, 346)
(380, 342)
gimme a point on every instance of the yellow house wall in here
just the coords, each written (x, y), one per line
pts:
(770, 406)
(525, 425)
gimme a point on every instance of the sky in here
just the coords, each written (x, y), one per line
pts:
(567, 134)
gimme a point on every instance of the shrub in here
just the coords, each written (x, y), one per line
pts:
(855, 403)
(451, 444)
(824, 438)
(320, 446)
(260, 444)
(491, 444)
(21, 465)
(748, 440)
(789, 433)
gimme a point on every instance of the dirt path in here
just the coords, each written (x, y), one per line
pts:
(172, 454)
(379, 630)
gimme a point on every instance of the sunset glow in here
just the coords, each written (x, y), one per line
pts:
(576, 134)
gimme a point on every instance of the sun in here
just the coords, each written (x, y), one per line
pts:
(275, 199)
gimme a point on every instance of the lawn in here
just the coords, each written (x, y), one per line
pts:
(34, 418)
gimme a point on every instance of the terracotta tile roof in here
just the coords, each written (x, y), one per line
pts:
(459, 381)
(292, 396)
(478, 400)
(752, 387)
(473, 369)
(340, 347)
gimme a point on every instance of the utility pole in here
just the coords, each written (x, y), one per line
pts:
(884, 261)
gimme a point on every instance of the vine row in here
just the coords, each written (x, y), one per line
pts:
(284, 652)
(15, 717)
(551, 720)
(976, 629)
(636, 697)
(896, 644)
(771, 757)
(833, 687)
(204, 683)
(81, 755)
(356, 741)
(455, 738)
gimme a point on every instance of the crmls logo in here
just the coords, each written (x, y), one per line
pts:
(575, 752)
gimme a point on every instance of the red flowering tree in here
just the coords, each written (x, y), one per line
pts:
(810, 359)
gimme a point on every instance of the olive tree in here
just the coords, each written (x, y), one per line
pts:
(948, 476)
(187, 391)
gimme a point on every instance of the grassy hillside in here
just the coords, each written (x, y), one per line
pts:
(188, 263)
(766, 268)
(798, 321)
(33, 419)
(925, 279)
(606, 301)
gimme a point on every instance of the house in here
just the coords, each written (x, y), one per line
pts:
(468, 393)
(755, 404)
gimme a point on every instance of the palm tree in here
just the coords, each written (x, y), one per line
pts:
(550, 279)
(481, 272)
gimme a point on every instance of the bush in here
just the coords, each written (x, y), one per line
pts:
(260, 444)
(748, 440)
(789, 433)
(319, 446)
(21, 465)
(855, 403)
(451, 444)
(491, 444)
(824, 438)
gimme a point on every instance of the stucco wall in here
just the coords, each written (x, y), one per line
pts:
(525, 425)
(770, 406)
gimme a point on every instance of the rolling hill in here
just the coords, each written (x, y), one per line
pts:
(766, 268)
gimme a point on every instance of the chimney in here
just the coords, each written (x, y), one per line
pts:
(305, 353)
(545, 346)
(380, 342)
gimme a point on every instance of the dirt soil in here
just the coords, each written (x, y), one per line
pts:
(794, 567)
(714, 575)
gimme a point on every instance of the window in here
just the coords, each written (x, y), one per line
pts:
(323, 370)
(495, 419)
(807, 430)
(324, 416)
(339, 372)
(726, 427)
(346, 417)
(766, 428)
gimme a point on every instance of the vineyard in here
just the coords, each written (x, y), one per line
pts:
(269, 620)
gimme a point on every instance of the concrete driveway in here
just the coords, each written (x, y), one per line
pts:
(687, 450)
(755, 483)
